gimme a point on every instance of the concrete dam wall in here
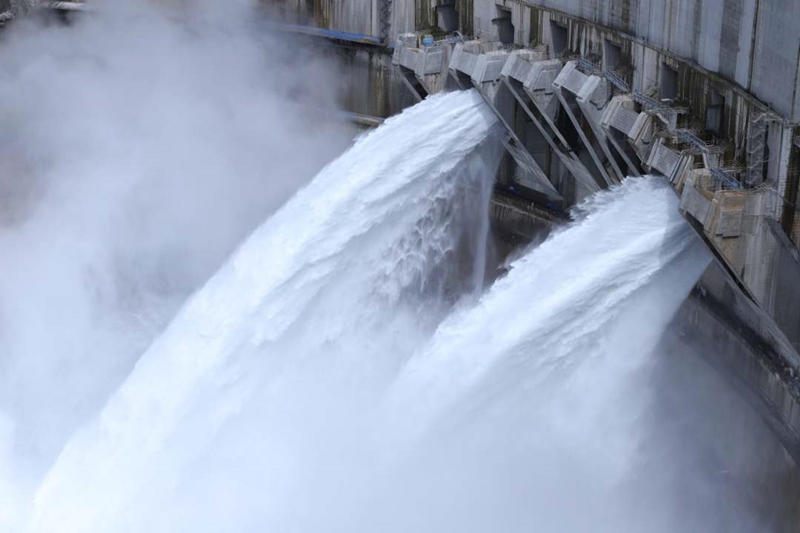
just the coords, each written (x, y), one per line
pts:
(591, 91)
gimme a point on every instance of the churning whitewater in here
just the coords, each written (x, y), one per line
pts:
(325, 285)
(342, 372)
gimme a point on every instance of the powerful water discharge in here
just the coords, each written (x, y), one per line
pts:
(357, 364)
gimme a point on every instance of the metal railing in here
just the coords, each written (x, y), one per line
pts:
(646, 101)
(590, 68)
(617, 81)
(723, 179)
(587, 66)
(689, 137)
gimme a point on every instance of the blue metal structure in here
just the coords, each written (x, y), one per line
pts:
(333, 35)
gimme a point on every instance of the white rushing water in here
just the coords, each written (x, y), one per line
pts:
(342, 372)
(355, 265)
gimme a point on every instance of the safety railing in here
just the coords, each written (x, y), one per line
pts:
(617, 81)
(587, 66)
(689, 137)
(725, 179)
(645, 101)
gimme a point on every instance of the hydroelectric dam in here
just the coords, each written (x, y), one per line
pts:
(400, 265)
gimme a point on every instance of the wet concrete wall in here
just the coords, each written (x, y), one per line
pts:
(732, 470)
(721, 420)
(356, 16)
(752, 43)
(371, 85)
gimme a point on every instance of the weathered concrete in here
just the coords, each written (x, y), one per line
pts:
(718, 315)
(370, 85)
(724, 396)
(752, 43)
(357, 16)
(709, 422)
(632, 104)
(529, 77)
(587, 95)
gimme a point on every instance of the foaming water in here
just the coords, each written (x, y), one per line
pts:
(314, 309)
(529, 405)
(545, 318)
(342, 372)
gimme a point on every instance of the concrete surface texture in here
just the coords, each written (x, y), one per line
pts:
(753, 43)
(690, 90)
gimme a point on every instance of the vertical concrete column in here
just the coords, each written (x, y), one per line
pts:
(402, 18)
(779, 141)
(375, 22)
(646, 72)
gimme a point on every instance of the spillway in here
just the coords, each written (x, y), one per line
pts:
(343, 372)
(603, 289)
(472, 320)
(356, 264)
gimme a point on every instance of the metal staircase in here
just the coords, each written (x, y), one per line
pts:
(755, 149)
(617, 81)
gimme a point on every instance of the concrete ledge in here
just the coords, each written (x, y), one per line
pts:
(570, 78)
(668, 162)
(432, 61)
(620, 116)
(409, 58)
(488, 66)
(464, 58)
(517, 66)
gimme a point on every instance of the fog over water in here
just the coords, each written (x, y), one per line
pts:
(138, 148)
(220, 312)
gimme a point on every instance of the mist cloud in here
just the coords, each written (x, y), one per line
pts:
(139, 146)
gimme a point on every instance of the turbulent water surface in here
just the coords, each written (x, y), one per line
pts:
(269, 366)
(342, 373)
(347, 370)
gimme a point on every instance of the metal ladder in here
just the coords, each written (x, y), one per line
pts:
(755, 149)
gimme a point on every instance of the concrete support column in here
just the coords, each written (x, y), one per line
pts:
(779, 142)
(375, 22)
(402, 18)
